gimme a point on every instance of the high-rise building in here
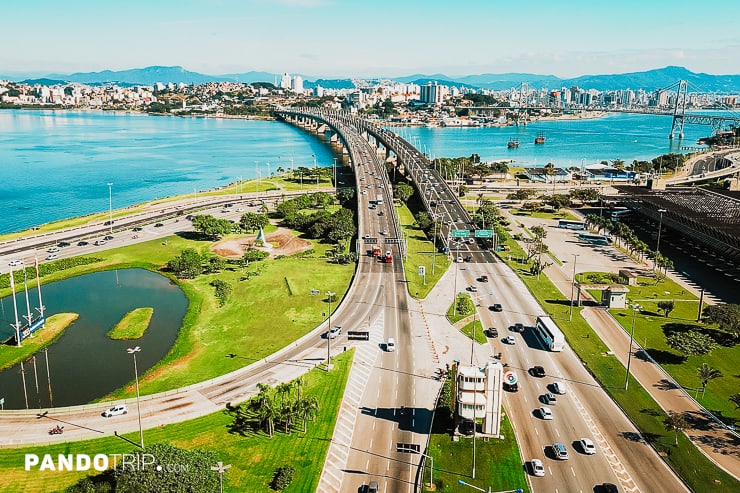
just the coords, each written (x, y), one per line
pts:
(431, 93)
(298, 84)
(285, 81)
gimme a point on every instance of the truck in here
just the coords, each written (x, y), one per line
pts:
(379, 199)
(375, 251)
(388, 257)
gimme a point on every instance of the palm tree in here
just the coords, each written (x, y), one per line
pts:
(264, 404)
(675, 422)
(706, 374)
(307, 408)
(735, 399)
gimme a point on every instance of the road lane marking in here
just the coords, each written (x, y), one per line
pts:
(573, 471)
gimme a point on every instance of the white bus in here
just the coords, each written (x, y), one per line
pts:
(549, 333)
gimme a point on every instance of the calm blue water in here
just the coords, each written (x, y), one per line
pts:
(568, 142)
(56, 164)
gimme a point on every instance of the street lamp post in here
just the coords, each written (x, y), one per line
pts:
(138, 407)
(329, 297)
(221, 468)
(110, 206)
(572, 286)
(635, 309)
(334, 172)
(657, 244)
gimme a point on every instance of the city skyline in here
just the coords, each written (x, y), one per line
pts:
(324, 38)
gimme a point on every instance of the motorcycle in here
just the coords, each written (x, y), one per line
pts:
(57, 430)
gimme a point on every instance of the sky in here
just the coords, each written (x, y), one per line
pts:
(377, 38)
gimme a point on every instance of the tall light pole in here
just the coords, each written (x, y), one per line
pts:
(110, 206)
(329, 297)
(635, 309)
(138, 407)
(221, 468)
(315, 169)
(657, 244)
(572, 286)
(334, 172)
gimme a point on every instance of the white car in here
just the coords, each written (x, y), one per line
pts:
(537, 468)
(473, 289)
(53, 250)
(459, 260)
(587, 446)
(334, 332)
(384, 232)
(545, 413)
(52, 256)
(508, 340)
(558, 387)
(115, 411)
(15, 263)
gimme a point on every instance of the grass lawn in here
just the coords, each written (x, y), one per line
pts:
(693, 467)
(243, 326)
(476, 333)
(498, 464)
(133, 324)
(253, 457)
(420, 253)
(54, 327)
(652, 326)
(453, 312)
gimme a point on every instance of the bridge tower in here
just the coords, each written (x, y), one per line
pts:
(679, 111)
(521, 114)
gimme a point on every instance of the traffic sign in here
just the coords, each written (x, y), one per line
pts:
(460, 233)
(422, 270)
(484, 233)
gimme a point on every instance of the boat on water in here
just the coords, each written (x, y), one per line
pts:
(513, 144)
(540, 139)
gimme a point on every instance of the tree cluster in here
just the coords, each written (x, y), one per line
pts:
(212, 227)
(190, 264)
(332, 227)
(274, 407)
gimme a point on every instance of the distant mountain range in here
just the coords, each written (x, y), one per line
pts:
(649, 80)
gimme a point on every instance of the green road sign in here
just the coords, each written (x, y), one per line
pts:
(460, 233)
(484, 233)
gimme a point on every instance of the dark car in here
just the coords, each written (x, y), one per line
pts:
(158, 225)
(469, 258)
(538, 371)
(108, 223)
(491, 332)
(518, 327)
(62, 244)
(82, 243)
(372, 487)
(607, 488)
(549, 398)
(496, 307)
(108, 237)
(137, 229)
(483, 278)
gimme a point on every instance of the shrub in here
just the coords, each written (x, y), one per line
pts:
(282, 478)
(223, 291)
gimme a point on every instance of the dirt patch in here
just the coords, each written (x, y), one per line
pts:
(282, 241)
